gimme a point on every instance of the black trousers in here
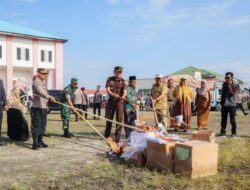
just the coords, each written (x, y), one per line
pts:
(85, 108)
(98, 107)
(225, 110)
(78, 106)
(129, 119)
(1, 119)
(38, 122)
(240, 105)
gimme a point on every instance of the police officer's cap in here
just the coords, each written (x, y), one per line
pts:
(42, 70)
(118, 68)
(132, 78)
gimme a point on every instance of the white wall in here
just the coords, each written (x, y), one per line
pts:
(22, 43)
(3, 44)
(47, 46)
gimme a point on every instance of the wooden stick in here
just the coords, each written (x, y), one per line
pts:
(155, 115)
(154, 110)
(82, 111)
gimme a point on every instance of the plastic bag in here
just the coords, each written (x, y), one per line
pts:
(138, 140)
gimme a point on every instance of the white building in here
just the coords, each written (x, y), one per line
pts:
(23, 50)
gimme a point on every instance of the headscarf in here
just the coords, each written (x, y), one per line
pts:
(183, 92)
(20, 83)
(203, 91)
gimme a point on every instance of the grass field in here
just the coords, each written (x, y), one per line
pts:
(79, 163)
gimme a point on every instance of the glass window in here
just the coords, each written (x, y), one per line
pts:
(50, 56)
(27, 54)
(18, 53)
(42, 55)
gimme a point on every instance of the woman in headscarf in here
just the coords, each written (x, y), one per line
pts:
(17, 125)
(203, 102)
(182, 105)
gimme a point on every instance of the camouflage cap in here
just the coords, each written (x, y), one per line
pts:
(42, 70)
(74, 80)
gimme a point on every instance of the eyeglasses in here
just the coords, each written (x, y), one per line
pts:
(227, 77)
(118, 71)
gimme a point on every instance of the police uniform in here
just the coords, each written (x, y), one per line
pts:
(114, 105)
(39, 110)
(68, 92)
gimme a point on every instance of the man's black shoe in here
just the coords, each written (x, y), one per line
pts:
(66, 133)
(43, 145)
(36, 146)
(71, 134)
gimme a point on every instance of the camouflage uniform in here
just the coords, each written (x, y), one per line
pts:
(68, 92)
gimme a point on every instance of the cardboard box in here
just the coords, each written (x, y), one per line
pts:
(134, 155)
(160, 156)
(204, 135)
(139, 158)
(196, 158)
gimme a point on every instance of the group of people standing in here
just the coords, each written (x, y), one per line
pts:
(167, 100)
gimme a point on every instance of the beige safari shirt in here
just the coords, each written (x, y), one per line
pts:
(157, 91)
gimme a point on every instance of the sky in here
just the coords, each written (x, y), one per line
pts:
(145, 37)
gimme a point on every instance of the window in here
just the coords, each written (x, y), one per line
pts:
(42, 56)
(23, 54)
(27, 54)
(50, 56)
(18, 54)
(0, 52)
(46, 56)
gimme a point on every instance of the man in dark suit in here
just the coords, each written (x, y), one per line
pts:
(3, 105)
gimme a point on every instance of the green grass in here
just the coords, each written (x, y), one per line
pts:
(233, 168)
(233, 173)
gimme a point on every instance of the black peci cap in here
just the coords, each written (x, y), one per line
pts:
(132, 78)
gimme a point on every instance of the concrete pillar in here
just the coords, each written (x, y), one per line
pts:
(9, 64)
(58, 73)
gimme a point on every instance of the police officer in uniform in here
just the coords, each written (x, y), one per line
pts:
(67, 99)
(39, 108)
(117, 91)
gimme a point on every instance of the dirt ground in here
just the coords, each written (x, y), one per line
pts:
(24, 168)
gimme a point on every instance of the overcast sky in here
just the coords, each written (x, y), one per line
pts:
(144, 36)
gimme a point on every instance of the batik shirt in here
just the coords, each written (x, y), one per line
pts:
(131, 96)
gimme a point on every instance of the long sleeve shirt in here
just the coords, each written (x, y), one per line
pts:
(40, 94)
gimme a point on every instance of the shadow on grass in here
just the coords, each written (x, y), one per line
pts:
(80, 143)
(7, 140)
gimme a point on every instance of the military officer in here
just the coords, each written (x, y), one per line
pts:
(67, 99)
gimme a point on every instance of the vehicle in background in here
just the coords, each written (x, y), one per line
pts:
(216, 96)
(57, 94)
(28, 101)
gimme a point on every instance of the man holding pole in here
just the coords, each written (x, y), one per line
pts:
(130, 108)
(117, 90)
(67, 100)
(39, 108)
(159, 98)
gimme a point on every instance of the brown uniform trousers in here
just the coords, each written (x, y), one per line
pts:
(114, 107)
